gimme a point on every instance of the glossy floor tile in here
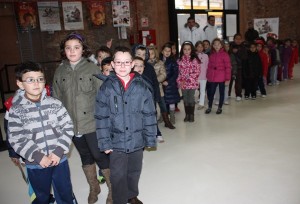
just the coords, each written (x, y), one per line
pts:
(250, 154)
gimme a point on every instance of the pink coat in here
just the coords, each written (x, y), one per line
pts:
(219, 67)
(204, 63)
(189, 72)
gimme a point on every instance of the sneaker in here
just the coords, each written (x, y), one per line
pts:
(177, 109)
(101, 179)
(277, 82)
(226, 102)
(238, 98)
(246, 97)
(217, 103)
(264, 96)
(270, 84)
(160, 139)
(253, 98)
(134, 200)
(200, 107)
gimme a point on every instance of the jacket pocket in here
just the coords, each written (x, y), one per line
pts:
(86, 83)
(64, 83)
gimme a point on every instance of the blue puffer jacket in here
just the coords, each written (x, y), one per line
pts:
(125, 120)
(171, 90)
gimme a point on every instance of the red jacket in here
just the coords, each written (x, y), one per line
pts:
(265, 60)
(219, 67)
(295, 57)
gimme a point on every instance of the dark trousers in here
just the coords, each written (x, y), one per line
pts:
(211, 90)
(261, 86)
(238, 83)
(125, 171)
(87, 146)
(250, 86)
(58, 176)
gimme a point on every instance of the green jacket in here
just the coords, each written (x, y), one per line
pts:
(77, 89)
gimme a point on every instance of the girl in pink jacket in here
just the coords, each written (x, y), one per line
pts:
(218, 72)
(189, 70)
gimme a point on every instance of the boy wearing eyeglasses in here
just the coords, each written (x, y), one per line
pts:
(41, 130)
(126, 124)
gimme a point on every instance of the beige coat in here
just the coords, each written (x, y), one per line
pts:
(161, 74)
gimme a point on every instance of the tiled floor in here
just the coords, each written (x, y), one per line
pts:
(248, 155)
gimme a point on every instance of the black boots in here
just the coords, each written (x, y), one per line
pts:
(167, 121)
(189, 113)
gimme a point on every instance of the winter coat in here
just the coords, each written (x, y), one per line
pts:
(149, 72)
(219, 67)
(125, 120)
(253, 68)
(286, 54)
(233, 63)
(189, 71)
(161, 74)
(265, 60)
(77, 89)
(273, 56)
(195, 34)
(171, 94)
(203, 66)
(294, 57)
(36, 130)
(211, 32)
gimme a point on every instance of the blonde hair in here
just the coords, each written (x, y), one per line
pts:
(152, 47)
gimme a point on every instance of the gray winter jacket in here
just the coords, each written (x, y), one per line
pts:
(125, 120)
(77, 89)
(38, 130)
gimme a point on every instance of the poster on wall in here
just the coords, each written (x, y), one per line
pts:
(26, 13)
(97, 13)
(121, 13)
(72, 12)
(267, 27)
(49, 16)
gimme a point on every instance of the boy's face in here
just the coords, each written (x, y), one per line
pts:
(238, 40)
(106, 69)
(102, 55)
(253, 48)
(206, 45)
(122, 64)
(73, 50)
(33, 83)
(138, 66)
(141, 53)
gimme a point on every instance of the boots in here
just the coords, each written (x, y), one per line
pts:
(106, 174)
(168, 124)
(91, 177)
(187, 113)
(192, 111)
(172, 117)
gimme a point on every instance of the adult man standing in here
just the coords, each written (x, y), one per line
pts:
(191, 32)
(251, 34)
(210, 29)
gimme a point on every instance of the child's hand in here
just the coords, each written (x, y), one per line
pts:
(108, 151)
(45, 162)
(16, 161)
(165, 83)
(55, 159)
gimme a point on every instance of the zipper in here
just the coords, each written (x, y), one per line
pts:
(116, 103)
(45, 140)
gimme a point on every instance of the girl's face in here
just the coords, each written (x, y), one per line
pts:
(200, 48)
(259, 47)
(227, 47)
(174, 51)
(206, 45)
(294, 43)
(102, 55)
(138, 66)
(141, 53)
(217, 45)
(151, 54)
(166, 52)
(73, 50)
(187, 50)
(288, 43)
(253, 48)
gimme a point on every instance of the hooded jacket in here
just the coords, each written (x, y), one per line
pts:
(76, 89)
(125, 120)
(195, 34)
(189, 71)
(210, 32)
(39, 129)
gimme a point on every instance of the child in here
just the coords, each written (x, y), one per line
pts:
(102, 53)
(233, 61)
(286, 54)
(76, 86)
(171, 94)
(252, 72)
(206, 45)
(161, 74)
(202, 77)
(106, 67)
(188, 78)
(264, 61)
(273, 62)
(126, 124)
(294, 59)
(41, 130)
(218, 73)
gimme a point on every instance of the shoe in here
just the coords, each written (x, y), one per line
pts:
(134, 200)
(208, 111)
(291, 78)
(217, 103)
(277, 82)
(246, 97)
(270, 84)
(219, 111)
(200, 107)
(177, 109)
(101, 179)
(160, 139)
(264, 96)
(238, 98)
(253, 98)
(226, 102)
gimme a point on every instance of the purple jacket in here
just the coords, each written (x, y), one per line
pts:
(219, 67)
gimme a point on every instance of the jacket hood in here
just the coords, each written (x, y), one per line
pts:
(19, 97)
(196, 25)
(136, 47)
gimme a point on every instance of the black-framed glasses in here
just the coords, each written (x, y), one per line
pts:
(33, 80)
(125, 63)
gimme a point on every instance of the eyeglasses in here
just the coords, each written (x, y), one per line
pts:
(32, 80)
(119, 63)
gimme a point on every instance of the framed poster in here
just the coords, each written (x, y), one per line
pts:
(267, 27)
(49, 16)
(26, 13)
(121, 13)
(97, 13)
(72, 12)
